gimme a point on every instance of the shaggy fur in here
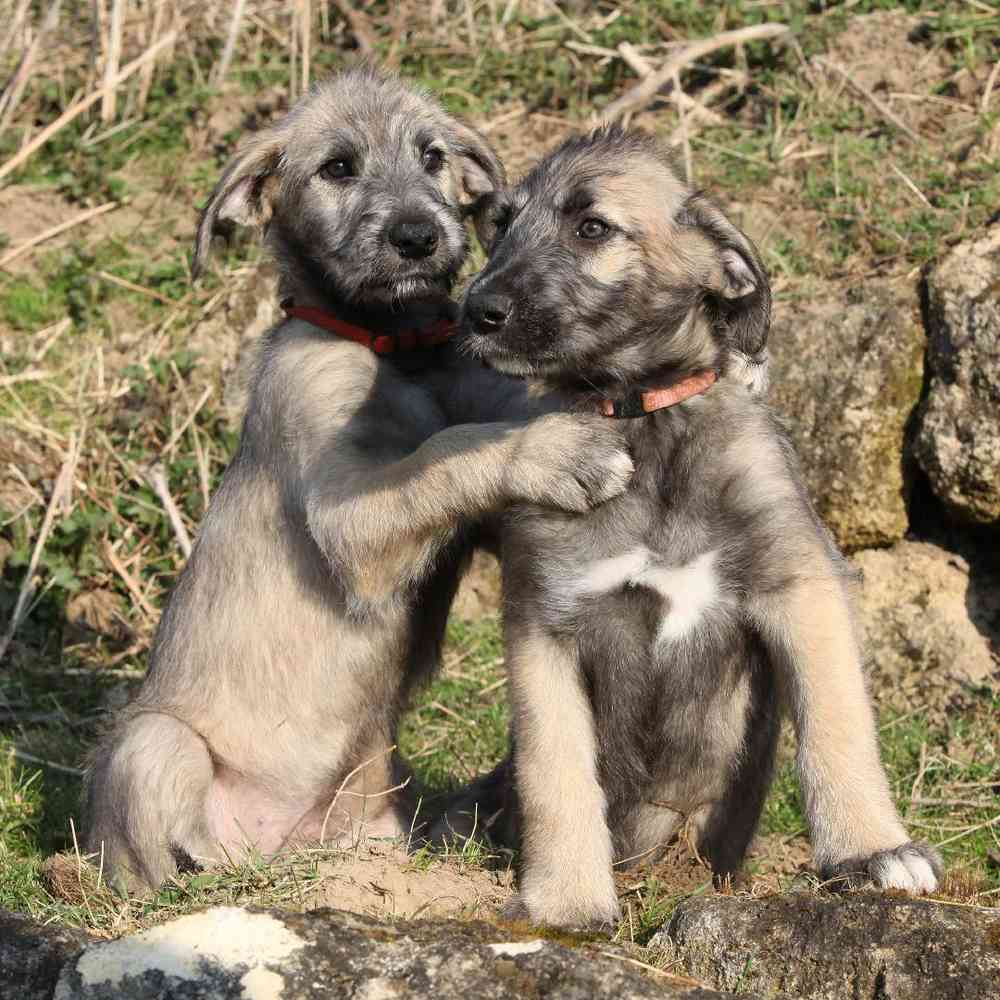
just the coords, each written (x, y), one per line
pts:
(316, 595)
(653, 642)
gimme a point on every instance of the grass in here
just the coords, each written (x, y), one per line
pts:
(458, 726)
(827, 185)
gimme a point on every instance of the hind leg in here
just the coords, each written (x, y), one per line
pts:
(730, 824)
(485, 809)
(146, 794)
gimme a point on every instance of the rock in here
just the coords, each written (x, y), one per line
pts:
(31, 956)
(821, 947)
(958, 441)
(931, 628)
(255, 954)
(846, 374)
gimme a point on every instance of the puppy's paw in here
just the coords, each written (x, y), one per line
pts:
(570, 462)
(914, 867)
(515, 910)
(576, 908)
(580, 920)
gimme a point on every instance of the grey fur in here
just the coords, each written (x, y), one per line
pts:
(316, 595)
(653, 642)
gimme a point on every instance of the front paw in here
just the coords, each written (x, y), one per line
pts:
(571, 463)
(515, 910)
(914, 867)
(555, 910)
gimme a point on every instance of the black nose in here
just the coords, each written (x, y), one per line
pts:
(489, 312)
(414, 238)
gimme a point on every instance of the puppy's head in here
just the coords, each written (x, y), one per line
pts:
(606, 267)
(361, 190)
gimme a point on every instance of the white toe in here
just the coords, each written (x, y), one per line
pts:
(921, 873)
(891, 873)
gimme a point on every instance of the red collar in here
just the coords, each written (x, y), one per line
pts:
(637, 404)
(380, 343)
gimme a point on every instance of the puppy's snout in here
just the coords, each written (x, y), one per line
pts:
(414, 238)
(489, 312)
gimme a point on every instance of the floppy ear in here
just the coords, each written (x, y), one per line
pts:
(739, 292)
(481, 175)
(243, 196)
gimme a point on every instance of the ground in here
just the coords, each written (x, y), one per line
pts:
(112, 363)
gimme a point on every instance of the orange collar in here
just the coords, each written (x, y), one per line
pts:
(380, 343)
(637, 404)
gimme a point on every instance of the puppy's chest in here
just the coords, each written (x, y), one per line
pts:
(655, 573)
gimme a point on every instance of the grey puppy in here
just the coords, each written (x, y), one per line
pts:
(317, 593)
(653, 642)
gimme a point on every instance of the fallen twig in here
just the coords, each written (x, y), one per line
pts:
(146, 76)
(157, 478)
(30, 758)
(909, 183)
(12, 95)
(684, 101)
(75, 110)
(131, 286)
(971, 829)
(51, 334)
(77, 220)
(30, 375)
(195, 410)
(62, 486)
(222, 67)
(984, 105)
(126, 577)
(954, 803)
(343, 785)
(109, 97)
(647, 88)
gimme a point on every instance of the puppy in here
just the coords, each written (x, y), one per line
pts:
(653, 642)
(317, 593)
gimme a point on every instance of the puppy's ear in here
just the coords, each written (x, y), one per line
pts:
(739, 292)
(481, 175)
(243, 196)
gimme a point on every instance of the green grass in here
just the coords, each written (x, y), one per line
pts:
(458, 726)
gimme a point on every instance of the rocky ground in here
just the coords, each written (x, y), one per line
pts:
(798, 945)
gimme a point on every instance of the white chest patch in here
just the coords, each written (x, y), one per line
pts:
(689, 591)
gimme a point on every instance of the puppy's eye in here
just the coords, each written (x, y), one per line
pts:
(433, 160)
(336, 170)
(592, 229)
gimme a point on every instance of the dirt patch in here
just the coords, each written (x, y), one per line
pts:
(382, 881)
(26, 211)
(886, 54)
(479, 592)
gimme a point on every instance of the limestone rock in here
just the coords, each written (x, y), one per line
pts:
(822, 947)
(931, 627)
(958, 442)
(254, 954)
(31, 956)
(846, 374)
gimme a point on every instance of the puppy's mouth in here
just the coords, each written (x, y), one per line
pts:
(492, 351)
(411, 284)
